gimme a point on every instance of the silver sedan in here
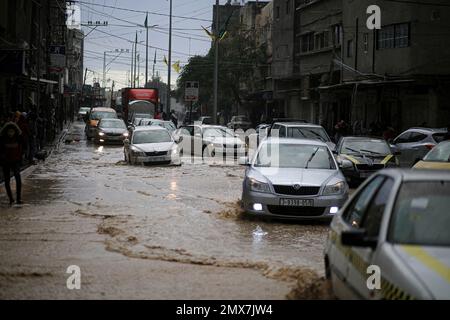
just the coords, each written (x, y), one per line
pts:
(293, 179)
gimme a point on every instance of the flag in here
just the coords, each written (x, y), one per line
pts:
(223, 35)
(146, 21)
(154, 60)
(165, 60)
(213, 37)
(176, 66)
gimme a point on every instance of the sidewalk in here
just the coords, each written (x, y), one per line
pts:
(50, 147)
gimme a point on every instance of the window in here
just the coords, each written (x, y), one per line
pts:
(366, 42)
(307, 42)
(355, 211)
(288, 6)
(337, 32)
(403, 138)
(282, 131)
(372, 218)
(394, 36)
(350, 48)
(416, 137)
(277, 12)
(319, 40)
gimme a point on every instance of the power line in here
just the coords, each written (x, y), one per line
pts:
(140, 11)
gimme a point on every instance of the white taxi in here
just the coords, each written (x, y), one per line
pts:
(391, 240)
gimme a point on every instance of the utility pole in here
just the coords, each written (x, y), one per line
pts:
(135, 62)
(146, 52)
(154, 63)
(131, 71)
(139, 70)
(170, 61)
(112, 93)
(38, 76)
(216, 64)
(104, 70)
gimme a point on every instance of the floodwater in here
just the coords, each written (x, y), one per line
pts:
(187, 214)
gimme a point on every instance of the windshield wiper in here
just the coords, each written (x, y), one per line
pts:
(312, 157)
(373, 152)
(356, 151)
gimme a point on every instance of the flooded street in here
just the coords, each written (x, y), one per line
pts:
(146, 232)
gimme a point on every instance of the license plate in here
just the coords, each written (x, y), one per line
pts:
(157, 159)
(297, 202)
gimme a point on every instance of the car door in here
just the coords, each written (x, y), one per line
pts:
(361, 258)
(198, 141)
(187, 133)
(409, 146)
(403, 146)
(350, 218)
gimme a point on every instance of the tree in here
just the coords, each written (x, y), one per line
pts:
(239, 59)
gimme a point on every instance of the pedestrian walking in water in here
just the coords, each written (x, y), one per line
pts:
(11, 151)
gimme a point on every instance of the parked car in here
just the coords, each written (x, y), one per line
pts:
(239, 122)
(111, 131)
(437, 158)
(301, 130)
(151, 145)
(415, 143)
(397, 221)
(169, 125)
(82, 113)
(95, 115)
(293, 179)
(367, 155)
(210, 141)
(204, 120)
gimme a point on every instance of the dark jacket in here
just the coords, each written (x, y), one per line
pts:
(11, 149)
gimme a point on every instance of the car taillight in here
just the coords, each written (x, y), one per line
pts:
(430, 146)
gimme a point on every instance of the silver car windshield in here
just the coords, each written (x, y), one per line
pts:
(421, 207)
(440, 153)
(294, 156)
(376, 147)
(112, 124)
(308, 133)
(153, 136)
(216, 133)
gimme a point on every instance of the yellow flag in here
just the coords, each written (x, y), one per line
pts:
(223, 35)
(176, 66)
(213, 37)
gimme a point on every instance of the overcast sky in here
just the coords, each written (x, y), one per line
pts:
(122, 28)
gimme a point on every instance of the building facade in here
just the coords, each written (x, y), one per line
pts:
(399, 75)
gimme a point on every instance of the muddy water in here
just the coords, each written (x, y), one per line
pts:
(188, 214)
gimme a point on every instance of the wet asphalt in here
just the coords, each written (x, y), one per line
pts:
(140, 232)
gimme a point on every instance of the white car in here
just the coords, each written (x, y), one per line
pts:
(210, 141)
(391, 240)
(151, 145)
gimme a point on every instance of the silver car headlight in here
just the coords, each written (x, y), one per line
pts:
(137, 153)
(126, 134)
(334, 189)
(259, 186)
(174, 151)
(101, 134)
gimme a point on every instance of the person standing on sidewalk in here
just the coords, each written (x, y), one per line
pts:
(11, 151)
